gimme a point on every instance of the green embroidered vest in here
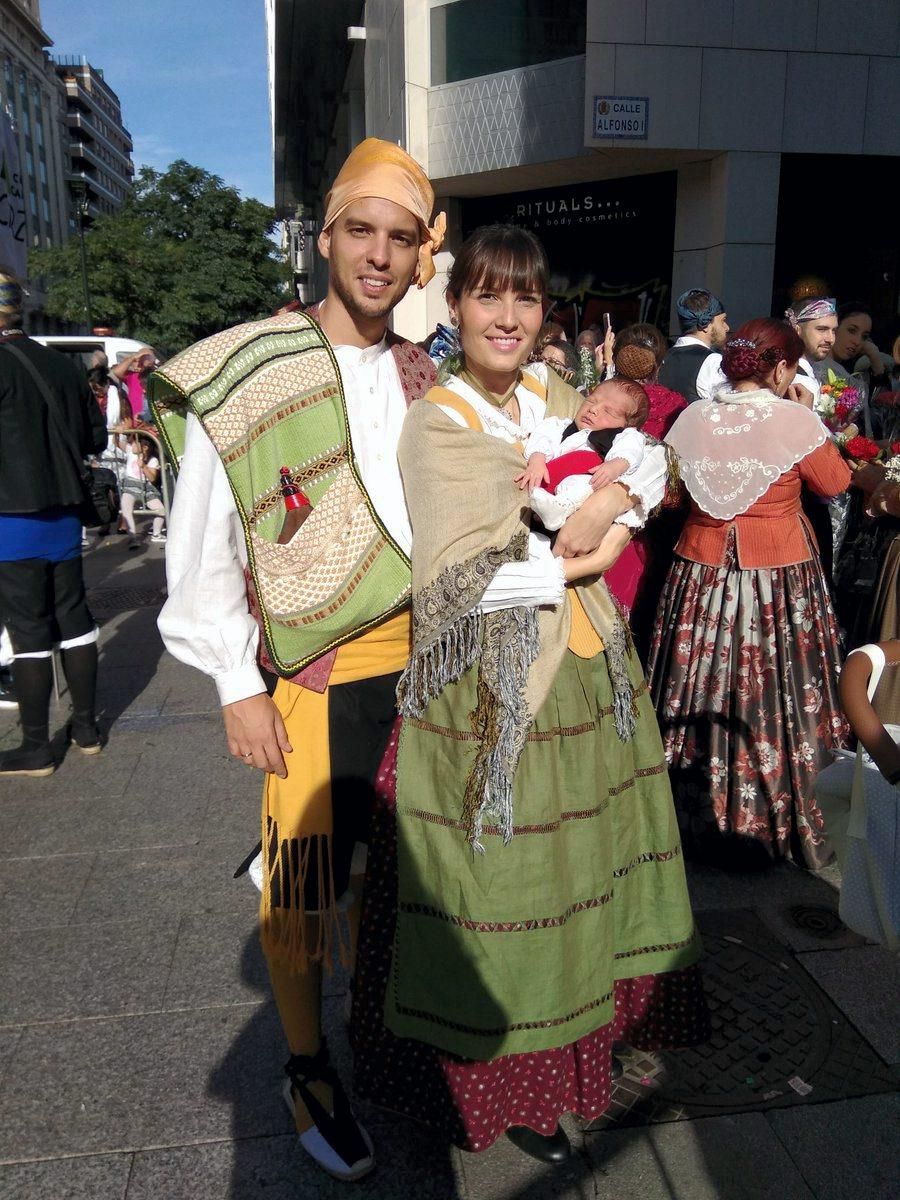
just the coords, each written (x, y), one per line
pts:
(269, 394)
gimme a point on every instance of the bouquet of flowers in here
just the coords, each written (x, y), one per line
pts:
(838, 402)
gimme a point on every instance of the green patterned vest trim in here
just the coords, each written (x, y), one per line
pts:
(269, 394)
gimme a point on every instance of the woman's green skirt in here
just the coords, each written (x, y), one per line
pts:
(517, 949)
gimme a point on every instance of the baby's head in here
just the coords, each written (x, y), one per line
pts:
(616, 404)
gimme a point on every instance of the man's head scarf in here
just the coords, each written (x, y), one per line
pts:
(690, 320)
(812, 310)
(382, 170)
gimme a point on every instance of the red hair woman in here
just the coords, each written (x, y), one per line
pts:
(744, 660)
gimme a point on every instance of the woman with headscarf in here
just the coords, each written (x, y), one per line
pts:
(525, 869)
(744, 659)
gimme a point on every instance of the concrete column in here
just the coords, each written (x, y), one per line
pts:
(725, 222)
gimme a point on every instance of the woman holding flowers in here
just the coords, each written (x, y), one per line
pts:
(744, 661)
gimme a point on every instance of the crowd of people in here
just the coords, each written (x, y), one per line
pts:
(510, 624)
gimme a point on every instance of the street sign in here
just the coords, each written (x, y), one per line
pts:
(621, 117)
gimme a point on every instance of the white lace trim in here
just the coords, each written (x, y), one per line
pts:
(731, 449)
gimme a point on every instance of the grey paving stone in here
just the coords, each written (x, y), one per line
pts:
(84, 970)
(91, 1178)
(152, 1080)
(195, 693)
(71, 823)
(9, 1040)
(779, 920)
(37, 893)
(104, 1177)
(776, 888)
(164, 880)
(849, 1148)
(130, 687)
(275, 1168)
(234, 816)
(717, 1158)
(217, 960)
(865, 984)
(190, 756)
(504, 1171)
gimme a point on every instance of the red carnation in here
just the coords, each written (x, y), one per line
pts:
(862, 448)
(895, 447)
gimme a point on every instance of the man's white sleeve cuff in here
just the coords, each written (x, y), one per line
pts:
(239, 684)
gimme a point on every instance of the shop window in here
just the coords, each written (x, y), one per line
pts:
(480, 37)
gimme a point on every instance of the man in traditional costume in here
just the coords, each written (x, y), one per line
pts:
(323, 394)
(691, 367)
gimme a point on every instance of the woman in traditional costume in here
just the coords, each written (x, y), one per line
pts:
(525, 868)
(744, 660)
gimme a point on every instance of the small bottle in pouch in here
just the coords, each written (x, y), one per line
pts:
(296, 507)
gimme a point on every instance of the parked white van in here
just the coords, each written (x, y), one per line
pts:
(84, 346)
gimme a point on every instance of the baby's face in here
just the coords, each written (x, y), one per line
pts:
(605, 408)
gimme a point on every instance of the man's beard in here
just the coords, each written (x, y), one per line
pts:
(369, 308)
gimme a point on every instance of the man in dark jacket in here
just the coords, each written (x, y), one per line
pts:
(49, 422)
(691, 367)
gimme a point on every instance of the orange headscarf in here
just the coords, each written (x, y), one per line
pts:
(383, 170)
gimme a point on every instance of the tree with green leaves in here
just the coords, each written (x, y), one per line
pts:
(184, 257)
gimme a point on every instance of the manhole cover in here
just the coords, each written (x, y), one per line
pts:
(769, 1024)
(776, 1039)
(113, 600)
(817, 921)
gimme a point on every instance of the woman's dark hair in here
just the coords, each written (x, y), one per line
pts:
(641, 334)
(755, 349)
(498, 258)
(851, 308)
(98, 375)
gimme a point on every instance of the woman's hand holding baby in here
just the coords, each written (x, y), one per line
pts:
(535, 474)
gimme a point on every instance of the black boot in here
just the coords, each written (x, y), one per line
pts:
(551, 1148)
(33, 678)
(80, 667)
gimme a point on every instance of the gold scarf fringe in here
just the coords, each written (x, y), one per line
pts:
(297, 817)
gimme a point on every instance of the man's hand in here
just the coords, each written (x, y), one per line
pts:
(586, 528)
(867, 477)
(800, 395)
(256, 734)
(885, 501)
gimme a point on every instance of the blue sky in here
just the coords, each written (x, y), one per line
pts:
(191, 76)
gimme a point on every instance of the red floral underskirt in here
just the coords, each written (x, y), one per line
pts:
(473, 1103)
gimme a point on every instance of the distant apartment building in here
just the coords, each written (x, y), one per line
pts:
(30, 93)
(733, 144)
(100, 169)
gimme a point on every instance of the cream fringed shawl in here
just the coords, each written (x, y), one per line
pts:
(468, 519)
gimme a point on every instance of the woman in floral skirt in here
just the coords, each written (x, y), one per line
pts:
(744, 660)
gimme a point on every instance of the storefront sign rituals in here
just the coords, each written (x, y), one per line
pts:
(621, 117)
(609, 243)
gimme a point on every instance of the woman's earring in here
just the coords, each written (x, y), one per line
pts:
(454, 320)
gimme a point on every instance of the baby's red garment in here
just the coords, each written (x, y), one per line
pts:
(576, 462)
